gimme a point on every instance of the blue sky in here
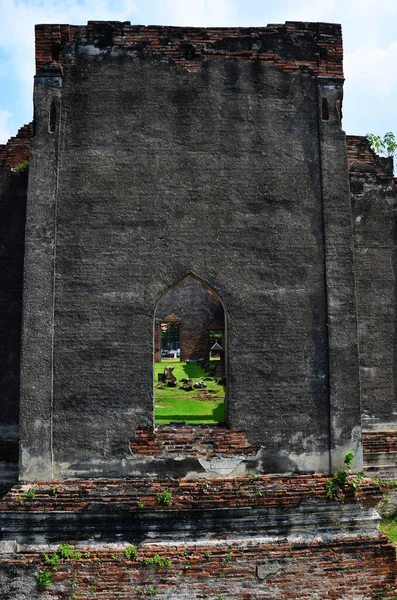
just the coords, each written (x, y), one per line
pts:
(369, 33)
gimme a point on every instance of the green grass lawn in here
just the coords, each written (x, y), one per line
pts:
(389, 528)
(198, 406)
(387, 509)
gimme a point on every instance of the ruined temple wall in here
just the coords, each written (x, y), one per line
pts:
(13, 191)
(374, 205)
(198, 310)
(207, 161)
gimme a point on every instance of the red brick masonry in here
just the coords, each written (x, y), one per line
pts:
(266, 491)
(379, 441)
(203, 441)
(362, 161)
(342, 567)
(320, 44)
(17, 149)
(353, 569)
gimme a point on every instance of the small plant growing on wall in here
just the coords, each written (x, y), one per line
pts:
(30, 494)
(52, 560)
(67, 552)
(228, 557)
(44, 579)
(342, 481)
(131, 552)
(204, 486)
(158, 561)
(165, 498)
(23, 167)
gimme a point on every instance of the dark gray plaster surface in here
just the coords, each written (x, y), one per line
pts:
(162, 172)
(344, 391)
(38, 293)
(374, 205)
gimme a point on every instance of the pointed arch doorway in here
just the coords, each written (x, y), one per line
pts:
(190, 358)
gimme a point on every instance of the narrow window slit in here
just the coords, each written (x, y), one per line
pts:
(55, 51)
(53, 118)
(324, 110)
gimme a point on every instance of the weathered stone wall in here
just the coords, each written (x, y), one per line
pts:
(233, 162)
(198, 310)
(13, 191)
(374, 205)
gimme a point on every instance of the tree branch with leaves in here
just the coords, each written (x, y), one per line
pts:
(386, 146)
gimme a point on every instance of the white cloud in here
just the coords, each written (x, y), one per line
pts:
(372, 7)
(5, 132)
(312, 10)
(201, 13)
(373, 68)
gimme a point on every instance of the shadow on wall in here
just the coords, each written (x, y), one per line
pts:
(13, 192)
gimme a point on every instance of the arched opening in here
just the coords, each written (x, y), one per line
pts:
(190, 355)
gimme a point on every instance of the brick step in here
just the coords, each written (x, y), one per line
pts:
(379, 441)
(138, 494)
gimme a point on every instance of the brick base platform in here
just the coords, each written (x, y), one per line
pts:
(380, 453)
(350, 570)
(270, 537)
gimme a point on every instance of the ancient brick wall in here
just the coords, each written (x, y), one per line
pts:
(201, 440)
(374, 204)
(352, 570)
(380, 454)
(118, 172)
(294, 46)
(17, 150)
(379, 441)
(198, 310)
(134, 201)
(81, 497)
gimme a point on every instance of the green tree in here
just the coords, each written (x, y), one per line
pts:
(386, 146)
